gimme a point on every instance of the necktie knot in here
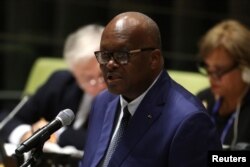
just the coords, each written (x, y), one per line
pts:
(126, 116)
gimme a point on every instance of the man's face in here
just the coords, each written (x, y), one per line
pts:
(89, 76)
(130, 79)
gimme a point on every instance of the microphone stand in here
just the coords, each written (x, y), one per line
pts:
(13, 112)
(35, 155)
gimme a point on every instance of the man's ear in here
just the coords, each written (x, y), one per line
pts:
(156, 59)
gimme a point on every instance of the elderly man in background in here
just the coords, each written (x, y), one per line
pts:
(73, 89)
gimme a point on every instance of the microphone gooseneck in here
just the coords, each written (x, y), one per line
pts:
(13, 112)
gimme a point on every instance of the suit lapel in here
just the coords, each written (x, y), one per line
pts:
(107, 127)
(141, 121)
(138, 126)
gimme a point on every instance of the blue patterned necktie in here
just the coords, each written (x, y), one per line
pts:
(115, 141)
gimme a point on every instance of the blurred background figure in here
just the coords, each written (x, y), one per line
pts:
(73, 89)
(225, 59)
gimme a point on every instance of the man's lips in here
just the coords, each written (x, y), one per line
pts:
(112, 76)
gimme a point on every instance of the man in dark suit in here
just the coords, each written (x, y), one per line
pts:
(73, 89)
(167, 125)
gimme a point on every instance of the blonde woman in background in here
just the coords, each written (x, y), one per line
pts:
(225, 54)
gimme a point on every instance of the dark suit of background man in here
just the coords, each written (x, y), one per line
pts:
(72, 89)
(168, 125)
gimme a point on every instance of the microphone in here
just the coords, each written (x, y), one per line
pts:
(64, 118)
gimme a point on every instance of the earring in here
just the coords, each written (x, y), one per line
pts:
(246, 74)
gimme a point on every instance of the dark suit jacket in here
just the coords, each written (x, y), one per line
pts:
(243, 135)
(178, 132)
(58, 93)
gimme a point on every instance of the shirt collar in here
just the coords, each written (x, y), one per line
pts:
(132, 106)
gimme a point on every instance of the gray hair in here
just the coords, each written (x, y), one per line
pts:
(82, 43)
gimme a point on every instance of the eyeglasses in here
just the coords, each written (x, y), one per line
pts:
(121, 57)
(94, 81)
(203, 69)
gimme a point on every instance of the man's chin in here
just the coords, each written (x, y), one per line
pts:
(114, 89)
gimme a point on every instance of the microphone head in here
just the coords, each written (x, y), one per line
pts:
(66, 117)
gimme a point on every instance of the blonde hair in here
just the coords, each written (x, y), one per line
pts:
(230, 35)
(82, 43)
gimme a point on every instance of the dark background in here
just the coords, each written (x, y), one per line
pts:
(33, 28)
